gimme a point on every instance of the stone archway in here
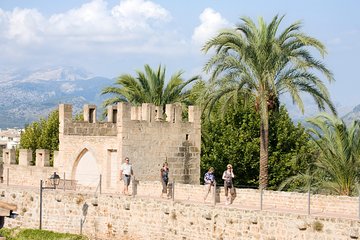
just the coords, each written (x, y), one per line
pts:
(85, 170)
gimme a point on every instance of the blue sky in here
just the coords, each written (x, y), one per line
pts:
(109, 38)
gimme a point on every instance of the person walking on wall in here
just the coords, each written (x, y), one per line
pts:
(126, 172)
(164, 178)
(209, 181)
(228, 176)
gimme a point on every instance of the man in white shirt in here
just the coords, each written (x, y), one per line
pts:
(125, 173)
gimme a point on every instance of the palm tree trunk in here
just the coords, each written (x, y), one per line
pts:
(264, 149)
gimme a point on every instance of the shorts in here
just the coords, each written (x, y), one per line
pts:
(164, 185)
(228, 187)
(126, 179)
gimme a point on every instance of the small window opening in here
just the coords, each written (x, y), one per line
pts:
(91, 115)
(114, 119)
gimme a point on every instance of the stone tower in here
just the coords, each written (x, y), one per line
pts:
(146, 134)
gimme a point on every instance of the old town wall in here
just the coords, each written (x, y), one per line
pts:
(88, 148)
(114, 216)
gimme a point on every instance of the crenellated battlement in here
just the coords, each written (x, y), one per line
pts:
(89, 126)
(150, 113)
(42, 157)
(122, 112)
(146, 112)
(147, 134)
(172, 113)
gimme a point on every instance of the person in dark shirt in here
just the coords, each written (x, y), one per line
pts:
(164, 178)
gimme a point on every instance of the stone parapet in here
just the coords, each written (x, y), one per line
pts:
(26, 175)
(90, 129)
(89, 113)
(273, 200)
(111, 216)
(42, 158)
(25, 157)
(112, 114)
(9, 156)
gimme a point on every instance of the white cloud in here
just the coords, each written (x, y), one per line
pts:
(92, 33)
(91, 22)
(137, 13)
(211, 23)
(21, 25)
(90, 19)
(128, 20)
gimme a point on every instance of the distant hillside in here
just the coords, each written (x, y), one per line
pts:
(353, 115)
(28, 95)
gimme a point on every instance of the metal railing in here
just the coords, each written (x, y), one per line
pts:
(308, 203)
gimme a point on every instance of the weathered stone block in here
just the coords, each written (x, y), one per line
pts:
(25, 157)
(42, 158)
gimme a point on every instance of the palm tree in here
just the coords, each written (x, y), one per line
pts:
(339, 163)
(149, 87)
(261, 63)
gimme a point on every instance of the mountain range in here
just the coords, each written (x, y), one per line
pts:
(26, 96)
(353, 115)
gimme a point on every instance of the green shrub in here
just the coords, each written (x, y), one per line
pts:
(35, 234)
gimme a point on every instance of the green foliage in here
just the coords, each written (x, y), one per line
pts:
(149, 86)
(49, 138)
(34, 234)
(290, 149)
(337, 168)
(234, 139)
(30, 137)
(256, 62)
(43, 134)
(196, 92)
(79, 116)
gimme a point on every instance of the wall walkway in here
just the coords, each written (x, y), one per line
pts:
(110, 215)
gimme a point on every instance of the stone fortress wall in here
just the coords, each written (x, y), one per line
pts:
(110, 215)
(146, 134)
(150, 138)
(146, 216)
